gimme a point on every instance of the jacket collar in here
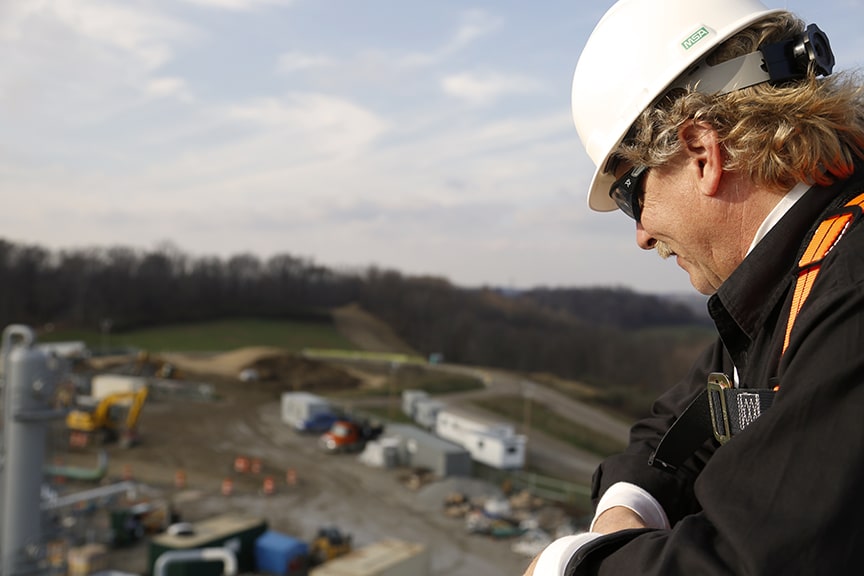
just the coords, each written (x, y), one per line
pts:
(741, 305)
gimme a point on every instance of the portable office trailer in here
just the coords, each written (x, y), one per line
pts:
(298, 408)
(452, 418)
(426, 412)
(409, 400)
(384, 558)
(490, 442)
(420, 449)
(506, 453)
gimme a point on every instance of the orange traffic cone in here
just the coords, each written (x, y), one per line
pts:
(227, 487)
(269, 487)
(291, 477)
(180, 479)
(241, 464)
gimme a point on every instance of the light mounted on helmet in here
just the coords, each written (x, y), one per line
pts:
(777, 63)
(791, 60)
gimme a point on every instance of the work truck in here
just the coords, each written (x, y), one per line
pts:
(349, 435)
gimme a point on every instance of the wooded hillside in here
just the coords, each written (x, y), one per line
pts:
(610, 337)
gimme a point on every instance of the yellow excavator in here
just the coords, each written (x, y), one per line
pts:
(105, 422)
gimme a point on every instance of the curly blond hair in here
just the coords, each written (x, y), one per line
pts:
(810, 130)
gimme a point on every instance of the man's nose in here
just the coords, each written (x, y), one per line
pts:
(643, 239)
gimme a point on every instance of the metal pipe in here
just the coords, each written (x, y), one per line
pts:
(88, 495)
(227, 556)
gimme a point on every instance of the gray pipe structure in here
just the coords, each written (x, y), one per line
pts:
(28, 381)
(227, 556)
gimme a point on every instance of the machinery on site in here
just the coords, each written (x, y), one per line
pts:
(329, 543)
(112, 417)
(349, 435)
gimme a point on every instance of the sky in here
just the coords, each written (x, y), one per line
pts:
(432, 138)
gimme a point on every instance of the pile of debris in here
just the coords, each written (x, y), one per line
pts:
(531, 521)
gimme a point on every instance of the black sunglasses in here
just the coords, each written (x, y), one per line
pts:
(627, 192)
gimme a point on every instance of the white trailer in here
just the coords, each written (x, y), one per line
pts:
(490, 442)
(410, 399)
(301, 408)
(458, 419)
(104, 385)
(426, 412)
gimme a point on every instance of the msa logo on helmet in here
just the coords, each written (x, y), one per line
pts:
(694, 38)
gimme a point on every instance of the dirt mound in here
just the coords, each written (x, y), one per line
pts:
(226, 364)
(301, 373)
(270, 364)
(368, 332)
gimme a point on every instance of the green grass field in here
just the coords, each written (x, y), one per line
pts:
(547, 422)
(215, 336)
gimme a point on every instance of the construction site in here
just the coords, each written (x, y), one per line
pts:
(158, 464)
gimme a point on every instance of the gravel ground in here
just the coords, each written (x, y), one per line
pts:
(204, 438)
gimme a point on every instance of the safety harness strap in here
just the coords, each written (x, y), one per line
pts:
(829, 232)
(721, 409)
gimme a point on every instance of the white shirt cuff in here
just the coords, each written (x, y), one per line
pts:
(554, 558)
(636, 499)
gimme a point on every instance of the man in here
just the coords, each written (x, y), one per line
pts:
(719, 127)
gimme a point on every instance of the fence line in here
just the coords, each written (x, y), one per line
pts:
(545, 487)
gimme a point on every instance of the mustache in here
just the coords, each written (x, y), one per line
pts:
(663, 250)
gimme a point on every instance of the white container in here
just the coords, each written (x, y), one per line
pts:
(104, 385)
(299, 407)
(410, 399)
(426, 412)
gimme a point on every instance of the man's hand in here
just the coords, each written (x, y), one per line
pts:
(617, 518)
(612, 520)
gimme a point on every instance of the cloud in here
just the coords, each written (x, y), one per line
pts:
(485, 88)
(294, 61)
(331, 123)
(474, 25)
(72, 64)
(143, 35)
(169, 86)
(239, 5)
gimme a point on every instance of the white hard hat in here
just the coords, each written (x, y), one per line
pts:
(637, 50)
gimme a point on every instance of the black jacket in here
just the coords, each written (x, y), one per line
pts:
(786, 495)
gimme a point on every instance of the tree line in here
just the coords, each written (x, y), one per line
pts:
(607, 336)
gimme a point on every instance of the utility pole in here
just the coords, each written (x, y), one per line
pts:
(527, 394)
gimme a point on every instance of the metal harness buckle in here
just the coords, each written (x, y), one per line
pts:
(718, 383)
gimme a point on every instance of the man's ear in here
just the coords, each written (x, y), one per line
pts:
(703, 153)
